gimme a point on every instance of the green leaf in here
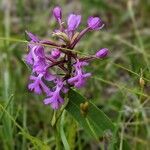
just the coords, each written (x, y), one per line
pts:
(96, 123)
(62, 132)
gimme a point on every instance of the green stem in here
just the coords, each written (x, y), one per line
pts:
(57, 138)
(69, 67)
(62, 132)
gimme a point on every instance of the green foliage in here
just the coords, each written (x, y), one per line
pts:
(95, 122)
(113, 90)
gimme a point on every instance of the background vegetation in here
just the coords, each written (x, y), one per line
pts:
(25, 121)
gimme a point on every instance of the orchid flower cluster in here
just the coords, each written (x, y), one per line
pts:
(56, 66)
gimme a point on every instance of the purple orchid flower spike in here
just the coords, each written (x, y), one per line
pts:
(55, 99)
(57, 12)
(73, 22)
(102, 53)
(95, 23)
(45, 62)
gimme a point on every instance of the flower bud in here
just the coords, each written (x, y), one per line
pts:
(95, 23)
(62, 36)
(57, 13)
(84, 108)
(142, 82)
(33, 37)
(73, 22)
(102, 53)
(55, 53)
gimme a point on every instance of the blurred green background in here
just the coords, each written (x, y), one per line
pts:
(115, 88)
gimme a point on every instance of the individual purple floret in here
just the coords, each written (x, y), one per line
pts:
(80, 77)
(57, 13)
(40, 66)
(55, 53)
(56, 66)
(36, 58)
(54, 97)
(102, 53)
(73, 22)
(32, 47)
(95, 23)
(32, 37)
(35, 50)
(38, 85)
